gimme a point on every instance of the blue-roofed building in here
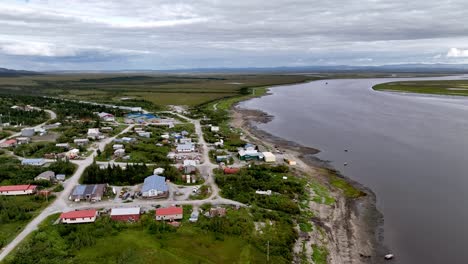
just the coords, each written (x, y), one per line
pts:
(33, 162)
(154, 187)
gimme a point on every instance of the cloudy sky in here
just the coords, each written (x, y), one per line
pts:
(173, 34)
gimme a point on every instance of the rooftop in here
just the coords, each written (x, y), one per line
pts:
(155, 182)
(12, 188)
(169, 210)
(79, 214)
(125, 211)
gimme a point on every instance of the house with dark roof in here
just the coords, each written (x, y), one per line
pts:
(154, 187)
(78, 217)
(91, 192)
(45, 176)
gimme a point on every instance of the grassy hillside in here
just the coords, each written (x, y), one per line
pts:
(459, 87)
(157, 89)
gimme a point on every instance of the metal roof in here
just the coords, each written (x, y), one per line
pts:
(155, 182)
(125, 211)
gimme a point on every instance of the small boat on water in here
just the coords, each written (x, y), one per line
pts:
(346, 164)
(389, 256)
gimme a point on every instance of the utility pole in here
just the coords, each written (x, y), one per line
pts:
(268, 251)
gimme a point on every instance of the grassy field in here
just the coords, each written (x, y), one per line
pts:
(184, 246)
(157, 89)
(459, 87)
(10, 222)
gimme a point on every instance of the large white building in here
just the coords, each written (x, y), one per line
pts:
(154, 187)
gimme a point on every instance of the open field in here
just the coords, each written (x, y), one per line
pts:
(16, 212)
(459, 87)
(157, 89)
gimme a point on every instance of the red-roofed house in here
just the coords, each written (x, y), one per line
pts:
(18, 189)
(78, 217)
(169, 213)
(8, 143)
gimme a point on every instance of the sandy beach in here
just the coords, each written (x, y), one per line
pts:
(353, 227)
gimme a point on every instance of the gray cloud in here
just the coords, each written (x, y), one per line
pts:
(160, 34)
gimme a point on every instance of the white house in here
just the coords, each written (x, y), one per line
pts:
(144, 134)
(269, 157)
(78, 217)
(263, 192)
(117, 146)
(189, 147)
(119, 152)
(33, 162)
(214, 128)
(106, 117)
(81, 141)
(93, 133)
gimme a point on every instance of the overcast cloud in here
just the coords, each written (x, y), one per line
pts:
(171, 34)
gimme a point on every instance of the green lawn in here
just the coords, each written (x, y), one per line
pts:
(16, 212)
(459, 87)
(184, 246)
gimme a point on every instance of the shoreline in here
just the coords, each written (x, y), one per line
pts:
(354, 226)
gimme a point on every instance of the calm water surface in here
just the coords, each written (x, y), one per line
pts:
(412, 151)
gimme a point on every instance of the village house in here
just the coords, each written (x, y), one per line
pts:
(158, 171)
(45, 176)
(185, 140)
(119, 152)
(268, 192)
(194, 216)
(131, 214)
(190, 166)
(52, 126)
(8, 143)
(18, 189)
(60, 177)
(33, 162)
(79, 217)
(117, 146)
(92, 192)
(170, 213)
(144, 134)
(22, 140)
(269, 157)
(93, 133)
(184, 148)
(72, 154)
(81, 141)
(128, 139)
(63, 145)
(107, 129)
(154, 187)
(106, 117)
(27, 132)
(222, 158)
(214, 128)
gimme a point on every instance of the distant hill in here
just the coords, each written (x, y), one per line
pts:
(397, 68)
(15, 73)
